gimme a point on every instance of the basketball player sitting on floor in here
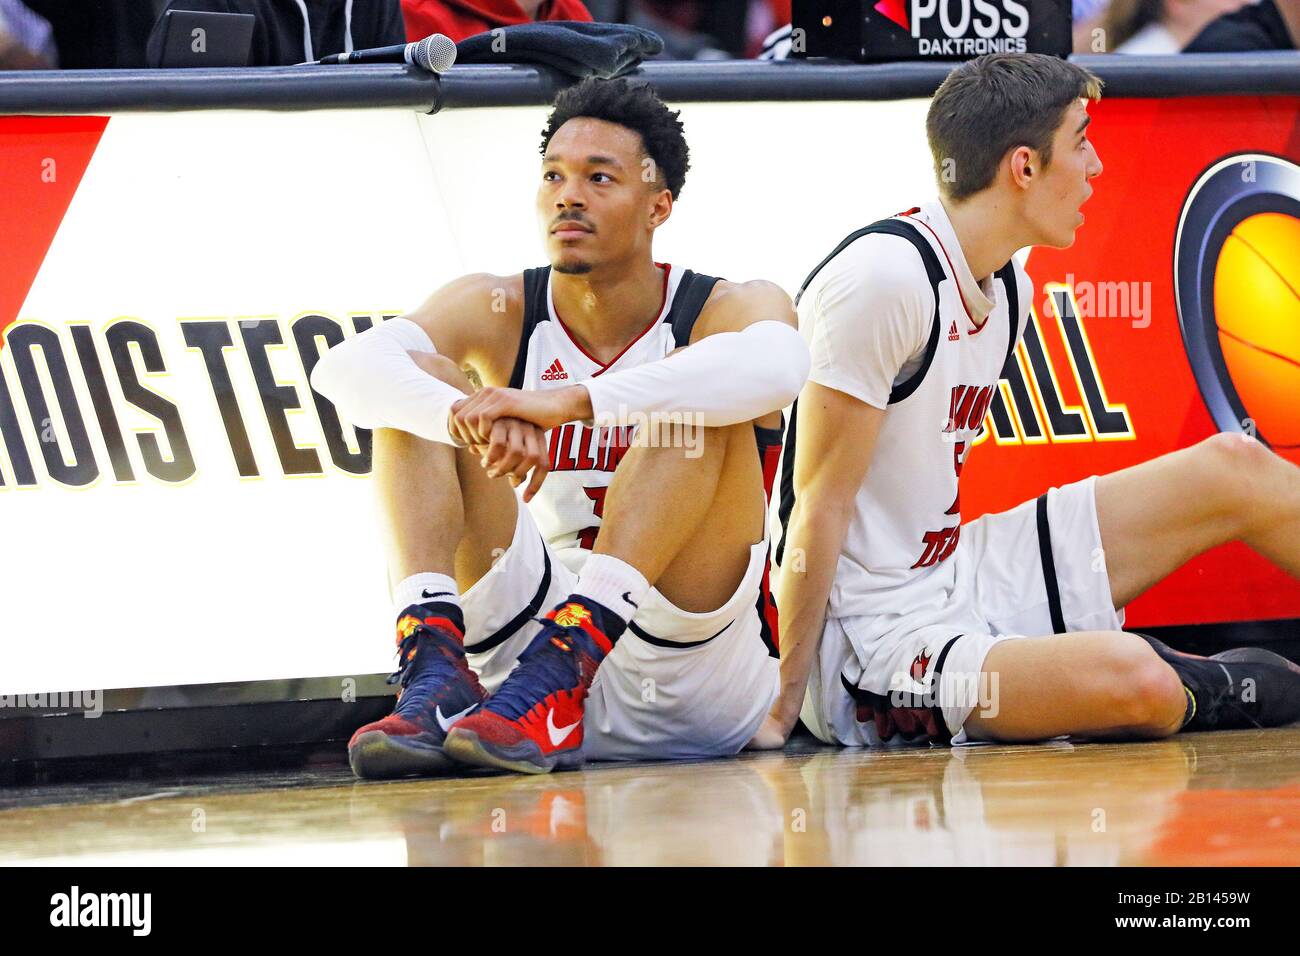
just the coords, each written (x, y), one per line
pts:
(650, 554)
(896, 619)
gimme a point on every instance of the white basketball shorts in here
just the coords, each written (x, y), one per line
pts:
(1033, 571)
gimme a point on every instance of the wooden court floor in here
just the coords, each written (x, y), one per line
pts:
(1224, 799)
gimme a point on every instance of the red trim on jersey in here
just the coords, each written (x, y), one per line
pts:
(767, 606)
(975, 329)
(604, 366)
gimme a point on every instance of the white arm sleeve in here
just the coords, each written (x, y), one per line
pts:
(722, 379)
(374, 383)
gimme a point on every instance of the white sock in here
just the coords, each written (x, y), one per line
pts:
(425, 588)
(614, 583)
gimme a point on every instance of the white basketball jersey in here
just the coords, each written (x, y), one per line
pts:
(569, 507)
(907, 520)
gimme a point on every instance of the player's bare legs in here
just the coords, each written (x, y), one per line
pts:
(444, 521)
(1153, 518)
(1088, 684)
(440, 511)
(687, 518)
(682, 513)
(684, 509)
(1156, 516)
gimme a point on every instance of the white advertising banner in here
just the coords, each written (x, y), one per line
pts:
(178, 506)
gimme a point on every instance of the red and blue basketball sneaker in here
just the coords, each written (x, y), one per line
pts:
(533, 723)
(438, 688)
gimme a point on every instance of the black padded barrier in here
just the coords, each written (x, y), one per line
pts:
(53, 92)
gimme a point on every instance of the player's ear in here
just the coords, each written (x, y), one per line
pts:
(1024, 165)
(661, 209)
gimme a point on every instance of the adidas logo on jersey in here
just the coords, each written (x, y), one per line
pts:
(953, 335)
(556, 372)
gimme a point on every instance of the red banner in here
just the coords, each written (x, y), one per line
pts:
(1108, 309)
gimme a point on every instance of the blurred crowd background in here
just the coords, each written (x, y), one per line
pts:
(99, 34)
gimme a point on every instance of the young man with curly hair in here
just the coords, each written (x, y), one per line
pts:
(631, 402)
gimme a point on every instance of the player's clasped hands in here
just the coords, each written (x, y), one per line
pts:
(507, 429)
(507, 447)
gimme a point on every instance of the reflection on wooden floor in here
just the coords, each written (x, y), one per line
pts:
(1207, 799)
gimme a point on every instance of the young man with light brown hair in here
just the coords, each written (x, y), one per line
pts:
(898, 621)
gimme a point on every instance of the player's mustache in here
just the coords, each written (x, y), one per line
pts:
(575, 219)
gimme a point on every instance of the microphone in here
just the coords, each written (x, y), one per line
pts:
(435, 53)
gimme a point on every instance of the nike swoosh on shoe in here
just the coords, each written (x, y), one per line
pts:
(559, 734)
(446, 723)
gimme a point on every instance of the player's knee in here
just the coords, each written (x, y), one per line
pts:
(1234, 470)
(1231, 453)
(443, 369)
(1147, 693)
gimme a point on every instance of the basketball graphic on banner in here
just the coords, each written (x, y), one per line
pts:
(1237, 282)
(1257, 312)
